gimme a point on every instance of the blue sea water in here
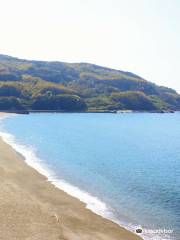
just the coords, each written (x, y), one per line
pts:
(126, 167)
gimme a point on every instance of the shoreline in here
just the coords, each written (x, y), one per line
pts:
(63, 215)
(91, 111)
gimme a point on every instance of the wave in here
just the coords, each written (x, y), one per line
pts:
(91, 202)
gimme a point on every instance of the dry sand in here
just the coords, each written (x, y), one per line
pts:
(33, 209)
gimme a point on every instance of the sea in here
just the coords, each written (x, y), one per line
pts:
(124, 167)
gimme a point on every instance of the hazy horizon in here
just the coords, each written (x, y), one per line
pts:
(137, 36)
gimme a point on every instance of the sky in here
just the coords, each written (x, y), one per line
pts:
(140, 36)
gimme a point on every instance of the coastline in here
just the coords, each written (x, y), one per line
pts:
(33, 208)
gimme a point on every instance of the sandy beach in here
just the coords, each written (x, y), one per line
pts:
(32, 208)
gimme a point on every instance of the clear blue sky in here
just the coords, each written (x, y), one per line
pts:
(141, 36)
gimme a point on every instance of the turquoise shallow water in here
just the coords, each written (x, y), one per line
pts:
(129, 162)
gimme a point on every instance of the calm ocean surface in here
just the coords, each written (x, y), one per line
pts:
(124, 166)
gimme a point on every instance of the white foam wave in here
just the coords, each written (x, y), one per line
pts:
(92, 203)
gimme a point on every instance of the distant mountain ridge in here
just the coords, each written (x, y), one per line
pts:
(45, 85)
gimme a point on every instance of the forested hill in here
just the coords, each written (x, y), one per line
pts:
(40, 85)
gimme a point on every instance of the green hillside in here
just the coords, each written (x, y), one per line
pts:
(40, 85)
